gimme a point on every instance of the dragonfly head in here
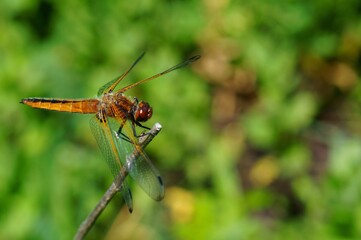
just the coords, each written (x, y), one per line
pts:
(143, 112)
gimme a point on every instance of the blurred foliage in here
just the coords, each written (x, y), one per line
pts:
(261, 137)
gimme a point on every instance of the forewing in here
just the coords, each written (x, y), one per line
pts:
(141, 169)
(109, 87)
(107, 144)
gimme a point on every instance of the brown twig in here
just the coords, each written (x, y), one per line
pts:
(114, 188)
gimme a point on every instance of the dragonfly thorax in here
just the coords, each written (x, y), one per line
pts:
(116, 105)
(119, 106)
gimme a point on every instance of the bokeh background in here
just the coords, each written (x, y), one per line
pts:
(261, 137)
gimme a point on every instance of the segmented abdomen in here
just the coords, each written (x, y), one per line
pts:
(64, 105)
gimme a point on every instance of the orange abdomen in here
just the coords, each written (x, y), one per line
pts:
(64, 105)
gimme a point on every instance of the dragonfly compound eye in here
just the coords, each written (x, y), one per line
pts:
(143, 112)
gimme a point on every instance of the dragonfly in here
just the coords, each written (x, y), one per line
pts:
(114, 128)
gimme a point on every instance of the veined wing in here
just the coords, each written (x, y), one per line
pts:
(141, 169)
(107, 145)
(109, 87)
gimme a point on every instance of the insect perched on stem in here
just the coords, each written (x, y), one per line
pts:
(114, 128)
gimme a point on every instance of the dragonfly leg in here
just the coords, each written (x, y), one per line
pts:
(142, 126)
(139, 125)
(124, 137)
(121, 135)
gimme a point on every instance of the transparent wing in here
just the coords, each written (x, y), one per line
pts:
(141, 169)
(107, 145)
(109, 87)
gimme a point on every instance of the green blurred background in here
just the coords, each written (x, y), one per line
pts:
(261, 137)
